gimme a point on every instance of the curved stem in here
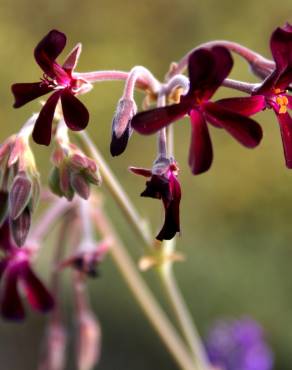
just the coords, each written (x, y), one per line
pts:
(162, 144)
(249, 55)
(239, 85)
(143, 295)
(117, 191)
(143, 80)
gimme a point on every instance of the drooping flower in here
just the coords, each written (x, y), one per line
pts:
(207, 70)
(58, 79)
(164, 185)
(238, 345)
(275, 86)
(17, 278)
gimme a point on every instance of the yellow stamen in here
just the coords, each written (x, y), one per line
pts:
(282, 101)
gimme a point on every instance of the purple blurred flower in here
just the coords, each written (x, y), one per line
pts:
(56, 78)
(18, 278)
(238, 345)
(207, 70)
(275, 87)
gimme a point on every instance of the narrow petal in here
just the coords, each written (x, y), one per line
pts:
(11, 306)
(75, 113)
(172, 219)
(72, 58)
(245, 105)
(157, 187)
(243, 129)
(37, 294)
(200, 152)
(153, 120)
(48, 49)
(25, 92)
(141, 171)
(208, 69)
(285, 122)
(42, 131)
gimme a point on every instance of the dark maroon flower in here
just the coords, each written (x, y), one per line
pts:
(56, 78)
(18, 278)
(163, 184)
(276, 85)
(207, 70)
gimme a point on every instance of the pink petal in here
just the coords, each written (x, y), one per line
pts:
(243, 129)
(48, 49)
(42, 131)
(289, 97)
(72, 58)
(245, 105)
(75, 113)
(25, 92)
(285, 122)
(153, 120)
(281, 47)
(200, 152)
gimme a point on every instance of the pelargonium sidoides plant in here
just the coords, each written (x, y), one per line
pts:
(78, 167)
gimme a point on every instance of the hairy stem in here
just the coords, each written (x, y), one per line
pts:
(249, 55)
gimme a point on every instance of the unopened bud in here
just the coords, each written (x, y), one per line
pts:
(80, 185)
(121, 126)
(20, 227)
(19, 195)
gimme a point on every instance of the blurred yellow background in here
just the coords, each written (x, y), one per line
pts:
(236, 219)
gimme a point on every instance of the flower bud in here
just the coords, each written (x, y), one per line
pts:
(19, 195)
(20, 227)
(80, 185)
(121, 126)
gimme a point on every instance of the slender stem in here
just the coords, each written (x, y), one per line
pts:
(248, 54)
(180, 309)
(162, 145)
(239, 85)
(143, 81)
(59, 207)
(117, 191)
(143, 295)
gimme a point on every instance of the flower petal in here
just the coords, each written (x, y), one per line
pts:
(37, 294)
(119, 144)
(75, 113)
(11, 306)
(5, 236)
(243, 129)
(153, 120)
(285, 122)
(157, 187)
(207, 70)
(141, 171)
(172, 220)
(200, 152)
(247, 106)
(25, 92)
(48, 49)
(281, 47)
(289, 97)
(42, 131)
(72, 58)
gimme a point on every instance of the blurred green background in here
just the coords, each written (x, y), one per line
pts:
(236, 219)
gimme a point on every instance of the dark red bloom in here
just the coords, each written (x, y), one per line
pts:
(276, 85)
(56, 78)
(18, 278)
(163, 184)
(207, 70)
